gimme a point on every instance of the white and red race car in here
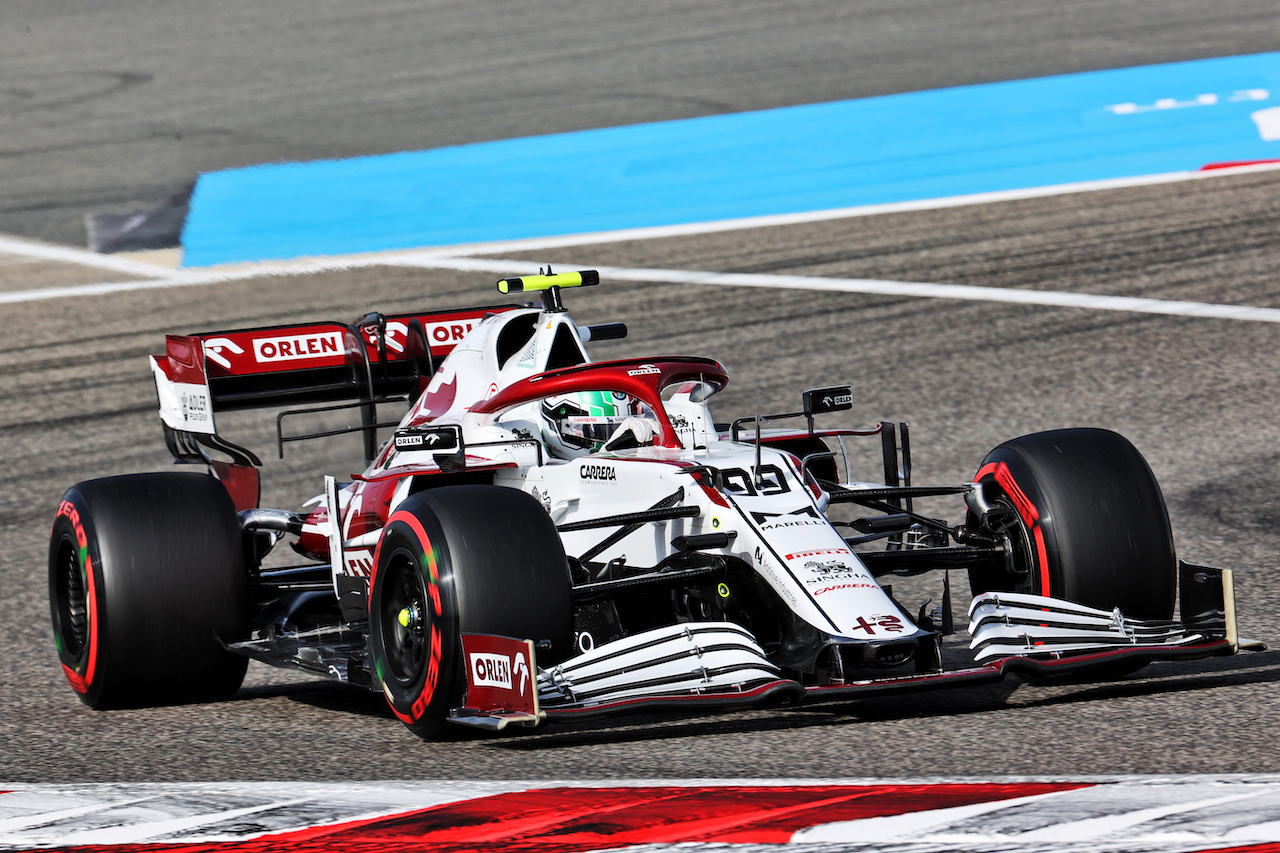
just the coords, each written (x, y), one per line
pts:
(544, 536)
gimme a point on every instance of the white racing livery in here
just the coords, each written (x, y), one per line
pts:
(544, 536)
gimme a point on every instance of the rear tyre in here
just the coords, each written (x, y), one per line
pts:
(1089, 523)
(146, 575)
(461, 559)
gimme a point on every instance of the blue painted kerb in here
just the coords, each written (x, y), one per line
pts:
(946, 142)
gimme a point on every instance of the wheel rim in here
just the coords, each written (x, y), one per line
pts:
(1020, 560)
(73, 602)
(405, 617)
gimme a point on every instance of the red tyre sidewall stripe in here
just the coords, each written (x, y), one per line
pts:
(1026, 509)
(82, 683)
(433, 579)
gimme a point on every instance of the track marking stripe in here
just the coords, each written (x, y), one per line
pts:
(68, 255)
(1051, 298)
(888, 288)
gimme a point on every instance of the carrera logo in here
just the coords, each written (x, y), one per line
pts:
(597, 472)
(490, 670)
(839, 586)
(297, 346)
(643, 370)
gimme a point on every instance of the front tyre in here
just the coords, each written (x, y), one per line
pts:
(1086, 523)
(454, 560)
(146, 575)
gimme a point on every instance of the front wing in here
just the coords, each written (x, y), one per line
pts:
(719, 665)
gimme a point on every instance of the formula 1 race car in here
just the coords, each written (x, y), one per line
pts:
(543, 536)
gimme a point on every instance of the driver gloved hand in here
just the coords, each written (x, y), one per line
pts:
(632, 432)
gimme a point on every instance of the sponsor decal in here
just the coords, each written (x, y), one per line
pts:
(543, 498)
(839, 586)
(294, 347)
(419, 438)
(802, 517)
(683, 427)
(448, 333)
(396, 335)
(597, 472)
(836, 576)
(830, 566)
(891, 624)
(195, 405)
(358, 563)
(81, 677)
(833, 571)
(821, 552)
(766, 570)
(644, 370)
(492, 670)
(214, 350)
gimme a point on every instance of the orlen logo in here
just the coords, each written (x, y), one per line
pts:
(449, 333)
(643, 370)
(597, 472)
(489, 670)
(297, 346)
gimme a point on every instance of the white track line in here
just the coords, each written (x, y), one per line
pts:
(430, 259)
(66, 254)
(888, 288)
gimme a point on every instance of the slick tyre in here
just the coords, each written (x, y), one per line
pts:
(146, 575)
(1090, 523)
(461, 559)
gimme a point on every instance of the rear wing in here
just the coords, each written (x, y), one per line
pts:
(376, 359)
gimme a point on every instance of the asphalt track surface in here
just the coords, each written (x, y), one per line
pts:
(1196, 395)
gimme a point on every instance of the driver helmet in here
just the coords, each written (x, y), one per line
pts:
(580, 423)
